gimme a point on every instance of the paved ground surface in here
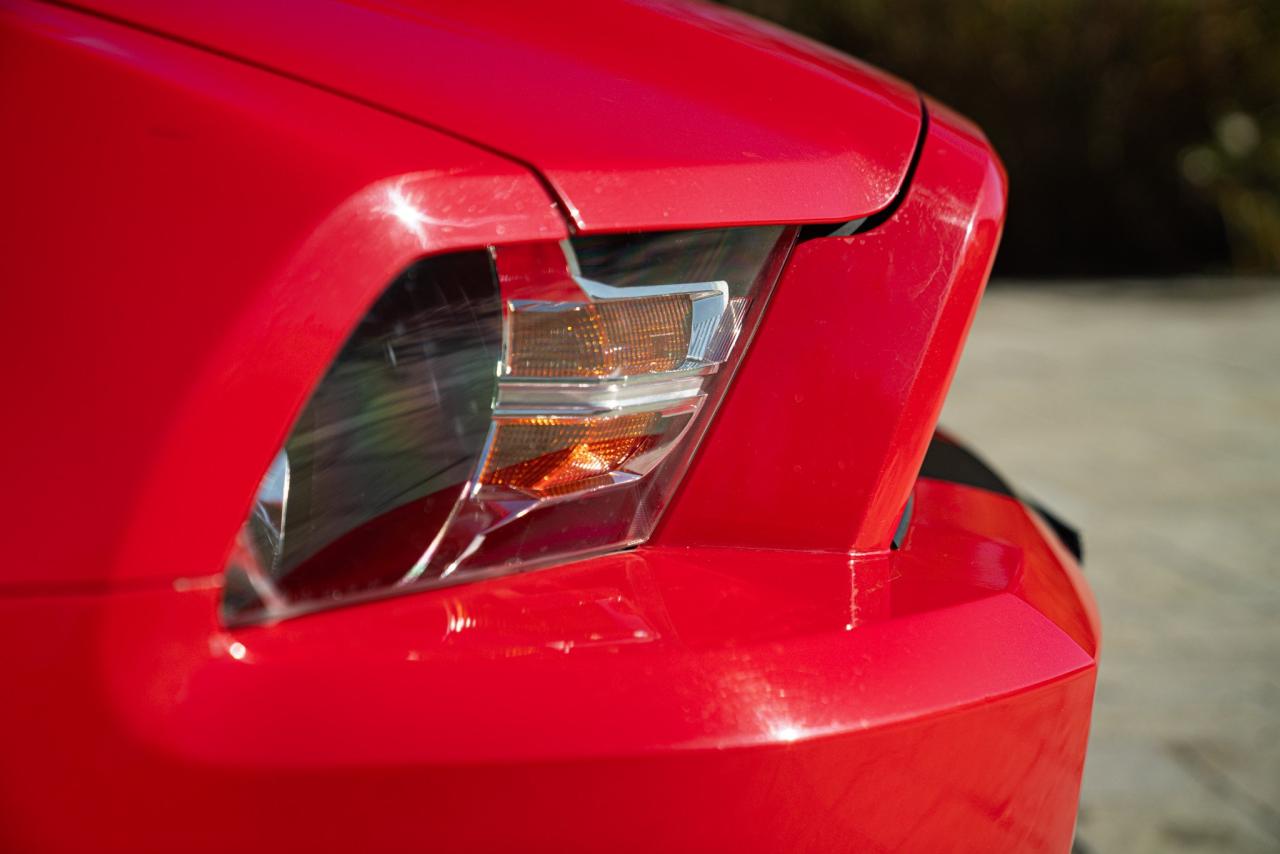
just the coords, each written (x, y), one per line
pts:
(1149, 415)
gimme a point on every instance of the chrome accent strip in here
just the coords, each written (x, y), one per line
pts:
(594, 398)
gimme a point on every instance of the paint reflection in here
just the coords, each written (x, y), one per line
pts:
(686, 597)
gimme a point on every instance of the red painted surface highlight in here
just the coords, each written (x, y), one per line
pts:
(640, 115)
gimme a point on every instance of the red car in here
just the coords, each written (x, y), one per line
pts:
(506, 426)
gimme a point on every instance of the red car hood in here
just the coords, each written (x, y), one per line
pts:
(637, 115)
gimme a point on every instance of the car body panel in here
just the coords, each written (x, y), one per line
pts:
(820, 438)
(191, 240)
(697, 116)
(229, 228)
(931, 698)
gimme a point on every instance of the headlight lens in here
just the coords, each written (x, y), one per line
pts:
(499, 411)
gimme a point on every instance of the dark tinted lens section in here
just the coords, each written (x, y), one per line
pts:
(387, 441)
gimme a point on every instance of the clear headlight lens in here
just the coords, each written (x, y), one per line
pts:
(500, 411)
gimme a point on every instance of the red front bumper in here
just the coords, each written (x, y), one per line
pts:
(931, 698)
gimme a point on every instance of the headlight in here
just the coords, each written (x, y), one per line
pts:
(499, 411)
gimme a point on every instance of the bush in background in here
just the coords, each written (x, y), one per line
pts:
(1140, 137)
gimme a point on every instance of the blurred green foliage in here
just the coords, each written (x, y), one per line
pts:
(1140, 136)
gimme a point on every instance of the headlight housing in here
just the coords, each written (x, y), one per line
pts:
(501, 410)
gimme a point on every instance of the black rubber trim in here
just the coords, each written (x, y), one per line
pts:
(826, 229)
(949, 461)
(904, 523)
(1067, 534)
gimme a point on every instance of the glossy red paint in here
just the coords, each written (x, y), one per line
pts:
(693, 116)
(823, 432)
(188, 241)
(936, 698)
(187, 276)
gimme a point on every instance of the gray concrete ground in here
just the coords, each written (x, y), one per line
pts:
(1149, 416)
